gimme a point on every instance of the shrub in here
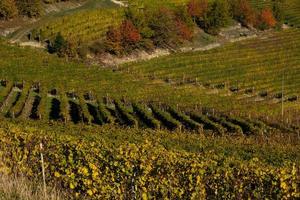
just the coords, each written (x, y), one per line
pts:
(8, 9)
(197, 8)
(30, 8)
(217, 17)
(244, 13)
(266, 19)
(130, 35)
(163, 27)
(184, 32)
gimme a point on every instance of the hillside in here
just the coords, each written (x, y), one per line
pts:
(198, 99)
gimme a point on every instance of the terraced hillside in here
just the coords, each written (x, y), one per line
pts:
(259, 66)
(83, 26)
(32, 101)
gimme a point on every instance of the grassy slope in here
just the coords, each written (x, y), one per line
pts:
(20, 33)
(256, 63)
(35, 65)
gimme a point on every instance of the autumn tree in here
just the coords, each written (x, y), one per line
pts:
(163, 25)
(217, 17)
(8, 9)
(181, 13)
(130, 35)
(197, 8)
(184, 32)
(113, 40)
(243, 12)
(266, 19)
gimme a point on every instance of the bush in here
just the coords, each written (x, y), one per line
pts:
(216, 17)
(266, 19)
(30, 8)
(243, 12)
(8, 9)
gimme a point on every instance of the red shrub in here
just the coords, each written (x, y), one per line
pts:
(197, 8)
(267, 17)
(246, 13)
(183, 30)
(129, 32)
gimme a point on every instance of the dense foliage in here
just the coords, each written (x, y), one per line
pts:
(146, 170)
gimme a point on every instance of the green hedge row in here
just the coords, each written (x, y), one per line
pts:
(186, 120)
(166, 118)
(18, 107)
(125, 114)
(207, 123)
(146, 116)
(230, 127)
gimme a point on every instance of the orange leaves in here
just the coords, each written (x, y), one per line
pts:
(197, 8)
(183, 30)
(267, 17)
(123, 37)
(129, 32)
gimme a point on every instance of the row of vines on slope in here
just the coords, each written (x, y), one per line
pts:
(85, 108)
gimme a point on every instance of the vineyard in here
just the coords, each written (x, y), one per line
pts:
(291, 10)
(257, 67)
(90, 166)
(83, 26)
(32, 101)
(218, 117)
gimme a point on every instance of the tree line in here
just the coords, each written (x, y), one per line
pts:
(148, 28)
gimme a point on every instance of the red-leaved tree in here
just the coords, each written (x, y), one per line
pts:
(246, 14)
(197, 8)
(129, 33)
(267, 18)
(113, 40)
(184, 32)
